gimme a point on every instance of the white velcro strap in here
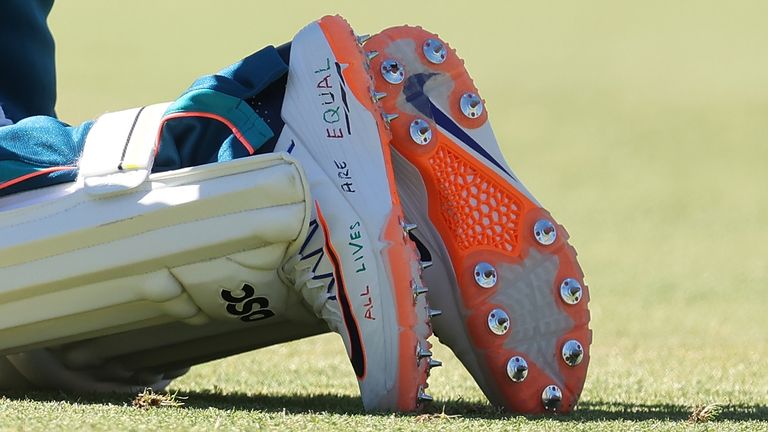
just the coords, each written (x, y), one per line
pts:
(120, 149)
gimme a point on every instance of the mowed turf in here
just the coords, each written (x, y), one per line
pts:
(644, 129)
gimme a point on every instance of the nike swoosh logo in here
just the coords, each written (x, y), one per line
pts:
(414, 94)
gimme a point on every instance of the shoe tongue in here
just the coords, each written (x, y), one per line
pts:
(268, 104)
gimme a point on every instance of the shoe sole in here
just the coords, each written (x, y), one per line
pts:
(480, 215)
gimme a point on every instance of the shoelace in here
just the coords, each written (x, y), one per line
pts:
(301, 270)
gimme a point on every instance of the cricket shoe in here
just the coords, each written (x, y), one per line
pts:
(358, 268)
(512, 294)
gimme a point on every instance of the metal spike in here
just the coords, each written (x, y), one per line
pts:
(425, 264)
(422, 352)
(471, 105)
(389, 117)
(420, 131)
(408, 227)
(517, 369)
(363, 38)
(434, 312)
(498, 322)
(485, 275)
(545, 232)
(552, 397)
(434, 363)
(370, 55)
(418, 289)
(377, 96)
(423, 397)
(573, 353)
(392, 71)
(434, 51)
(571, 291)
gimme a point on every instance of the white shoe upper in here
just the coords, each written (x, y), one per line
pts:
(350, 269)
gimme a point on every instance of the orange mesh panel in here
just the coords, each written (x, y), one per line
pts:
(475, 207)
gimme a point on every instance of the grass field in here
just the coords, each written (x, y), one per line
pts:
(642, 126)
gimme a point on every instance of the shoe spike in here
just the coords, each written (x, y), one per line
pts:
(408, 227)
(425, 264)
(422, 352)
(434, 363)
(418, 289)
(552, 397)
(363, 38)
(370, 55)
(423, 397)
(389, 117)
(434, 312)
(377, 96)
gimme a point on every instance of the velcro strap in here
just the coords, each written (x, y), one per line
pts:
(120, 149)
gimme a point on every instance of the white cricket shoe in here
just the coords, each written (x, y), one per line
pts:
(358, 268)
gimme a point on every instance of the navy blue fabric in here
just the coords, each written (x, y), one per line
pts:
(41, 142)
(38, 143)
(268, 103)
(195, 141)
(246, 78)
(186, 134)
(27, 68)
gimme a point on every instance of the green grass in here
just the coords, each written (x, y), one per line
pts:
(641, 126)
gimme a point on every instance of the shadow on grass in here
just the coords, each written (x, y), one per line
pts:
(607, 410)
(349, 405)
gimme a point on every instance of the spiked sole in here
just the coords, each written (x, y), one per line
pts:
(515, 321)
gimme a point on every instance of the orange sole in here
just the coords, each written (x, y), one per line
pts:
(481, 216)
(412, 374)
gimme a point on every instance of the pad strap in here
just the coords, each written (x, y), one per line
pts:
(120, 149)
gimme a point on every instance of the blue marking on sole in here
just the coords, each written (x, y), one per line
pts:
(414, 94)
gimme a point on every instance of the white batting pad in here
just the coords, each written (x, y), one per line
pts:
(181, 246)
